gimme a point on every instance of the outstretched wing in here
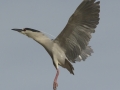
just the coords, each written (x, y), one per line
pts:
(77, 33)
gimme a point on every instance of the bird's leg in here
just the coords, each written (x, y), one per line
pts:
(55, 84)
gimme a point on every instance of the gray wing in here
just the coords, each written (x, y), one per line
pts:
(77, 33)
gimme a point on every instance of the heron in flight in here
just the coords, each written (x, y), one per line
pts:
(71, 44)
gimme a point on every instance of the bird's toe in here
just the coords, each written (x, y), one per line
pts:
(55, 85)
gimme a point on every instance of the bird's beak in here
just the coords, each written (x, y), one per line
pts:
(19, 30)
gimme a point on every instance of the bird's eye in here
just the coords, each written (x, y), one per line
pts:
(24, 29)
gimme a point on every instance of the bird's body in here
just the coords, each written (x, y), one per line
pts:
(71, 44)
(54, 50)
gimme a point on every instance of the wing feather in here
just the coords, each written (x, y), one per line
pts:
(77, 33)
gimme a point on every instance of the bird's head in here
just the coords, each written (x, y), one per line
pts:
(28, 32)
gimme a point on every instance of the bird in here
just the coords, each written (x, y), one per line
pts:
(72, 44)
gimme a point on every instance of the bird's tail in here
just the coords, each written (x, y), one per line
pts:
(85, 53)
(69, 66)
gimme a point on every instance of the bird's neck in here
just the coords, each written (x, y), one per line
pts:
(43, 40)
(46, 42)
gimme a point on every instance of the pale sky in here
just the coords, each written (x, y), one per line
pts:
(25, 65)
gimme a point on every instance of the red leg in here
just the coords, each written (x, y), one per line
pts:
(55, 84)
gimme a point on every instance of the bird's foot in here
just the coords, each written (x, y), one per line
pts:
(55, 85)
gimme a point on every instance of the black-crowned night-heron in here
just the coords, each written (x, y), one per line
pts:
(72, 43)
